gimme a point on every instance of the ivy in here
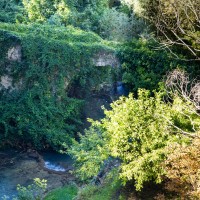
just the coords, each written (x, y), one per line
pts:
(37, 107)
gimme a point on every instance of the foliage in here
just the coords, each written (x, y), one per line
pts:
(90, 153)
(41, 11)
(89, 13)
(10, 10)
(137, 135)
(37, 108)
(34, 191)
(181, 23)
(137, 131)
(119, 26)
(176, 22)
(142, 66)
(65, 193)
(79, 13)
(39, 119)
(89, 191)
(106, 191)
(183, 170)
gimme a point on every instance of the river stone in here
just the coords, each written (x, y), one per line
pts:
(23, 170)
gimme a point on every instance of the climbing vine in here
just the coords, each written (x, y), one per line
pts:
(37, 108)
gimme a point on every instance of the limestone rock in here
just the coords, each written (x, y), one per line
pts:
(15, 53)
(106, 59)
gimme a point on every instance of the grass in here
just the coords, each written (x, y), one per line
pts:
(109, 190)
(106, 191)
(66, 193)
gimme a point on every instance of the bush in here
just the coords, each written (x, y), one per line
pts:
(144, 67)
(183, 170)
(41, 11)
(106, 191)
(118, 26)
(137, 131)
(10, 10)
(34, 191)
(90, 153)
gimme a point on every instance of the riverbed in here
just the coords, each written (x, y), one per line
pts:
(20, 168)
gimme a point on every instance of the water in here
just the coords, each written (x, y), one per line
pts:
(121, 89)
(54, 167)
(23, 169)
(57, 162)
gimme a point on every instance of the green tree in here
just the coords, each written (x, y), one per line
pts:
(10, 10)
(119, 26)
(88, 14)
(41, 11)
(92, 152)
(143, 66)
(176, 21)
(137, 131)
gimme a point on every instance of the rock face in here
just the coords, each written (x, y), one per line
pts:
(6, 82)
(106, 59)
(22, 167)
(15, 53)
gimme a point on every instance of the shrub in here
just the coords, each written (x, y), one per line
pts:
(90, 153)
(143, 66)
(118, 26)
(137, 131)
(183, 169)
(34, 191)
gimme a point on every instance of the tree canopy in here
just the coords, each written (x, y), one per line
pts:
(137, 131)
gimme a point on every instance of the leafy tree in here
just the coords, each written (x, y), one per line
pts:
(92, 152)
(137, 135)
(143, 66)
(183, 169)
(119, 26)
(88, 14)
(41, 11)
(137, 131)
(177, 23)
(10, 10)
(79, 13)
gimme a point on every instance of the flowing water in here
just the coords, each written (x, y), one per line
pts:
(57, 162)
(19, 168)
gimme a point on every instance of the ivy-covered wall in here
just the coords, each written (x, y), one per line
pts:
(51, 61)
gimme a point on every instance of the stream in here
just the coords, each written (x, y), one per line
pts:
(21, 168)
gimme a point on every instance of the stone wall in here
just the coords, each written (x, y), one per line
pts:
(14, 54)
(106, 59)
